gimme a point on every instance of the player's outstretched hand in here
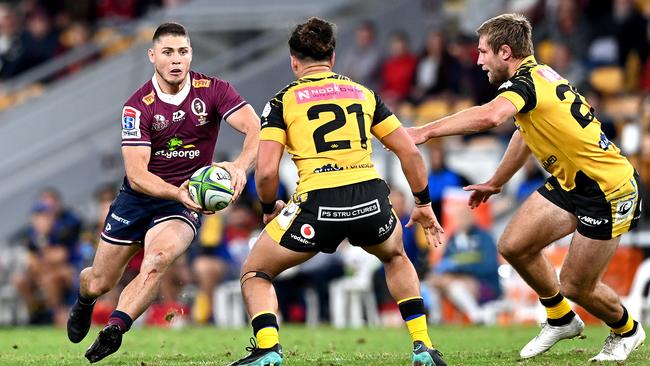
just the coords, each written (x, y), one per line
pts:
(417, 135)
(481, 193)
(187, 201)
(279, 205)
(237, 176)
(423, 215)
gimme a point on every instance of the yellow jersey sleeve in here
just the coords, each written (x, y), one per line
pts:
(383, 120)
(385, 127)
(273, 126)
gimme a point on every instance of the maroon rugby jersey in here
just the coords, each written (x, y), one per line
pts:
(182, 128)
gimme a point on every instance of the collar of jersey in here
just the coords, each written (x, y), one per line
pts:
(526, 60)
(175, 99)
(318, 75)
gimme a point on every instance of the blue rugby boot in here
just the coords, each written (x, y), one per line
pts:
(425, 356)
(261, 356)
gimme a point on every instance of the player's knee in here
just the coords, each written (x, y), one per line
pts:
(157, 262)
(572, 290)
(98, 286)
(509, 249)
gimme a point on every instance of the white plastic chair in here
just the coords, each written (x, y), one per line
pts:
(228, 305)
(638, 305)
(351, 296)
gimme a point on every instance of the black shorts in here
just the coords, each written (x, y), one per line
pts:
(600, 216)
(317, 221)
(133, 213)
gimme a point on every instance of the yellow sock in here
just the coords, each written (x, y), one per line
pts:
(418, 329)
(557, 308)
(413, 312)
(265, 328)
(625, 325)
(267, 337)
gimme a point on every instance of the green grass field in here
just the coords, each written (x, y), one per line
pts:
(302, 346)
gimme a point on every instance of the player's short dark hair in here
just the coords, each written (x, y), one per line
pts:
(513, 30)
(170, 29)
(313, 39)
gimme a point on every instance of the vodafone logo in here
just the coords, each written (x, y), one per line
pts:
(307, 231)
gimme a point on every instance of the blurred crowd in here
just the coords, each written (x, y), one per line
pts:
(33, 32)
(599, 46)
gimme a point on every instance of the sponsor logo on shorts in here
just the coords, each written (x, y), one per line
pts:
(301, 239)
(387, 226)
(108, 227)
(593, 222)
(307, 231)
(624, 209)
(349, 213)
(119, 219)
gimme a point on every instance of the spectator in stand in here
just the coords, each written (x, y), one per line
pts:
(631, 29)
(437, 70)
(51, 264)
(565, 23)
(467, 273)
(361, 63)
(441, 177)
(473, 82)
(566, 65)
(8, 36)
(397, 70)
(38, 43)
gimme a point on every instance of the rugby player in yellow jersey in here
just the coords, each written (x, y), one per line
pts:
(325, 121)
(593, 191)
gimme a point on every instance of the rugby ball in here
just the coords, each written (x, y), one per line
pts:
(210, 187)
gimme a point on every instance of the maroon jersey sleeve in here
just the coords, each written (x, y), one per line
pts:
(228, 100)
(136, 123)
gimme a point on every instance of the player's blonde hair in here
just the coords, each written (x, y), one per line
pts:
(513, 30)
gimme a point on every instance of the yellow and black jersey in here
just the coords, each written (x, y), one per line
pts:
(560, 129)
(325, 120)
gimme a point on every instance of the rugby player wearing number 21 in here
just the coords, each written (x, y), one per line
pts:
(169, 130)
(593, 191)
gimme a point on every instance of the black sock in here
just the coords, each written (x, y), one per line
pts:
(85, 301)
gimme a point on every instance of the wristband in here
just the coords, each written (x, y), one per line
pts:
(422, 197)
(267, 208)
